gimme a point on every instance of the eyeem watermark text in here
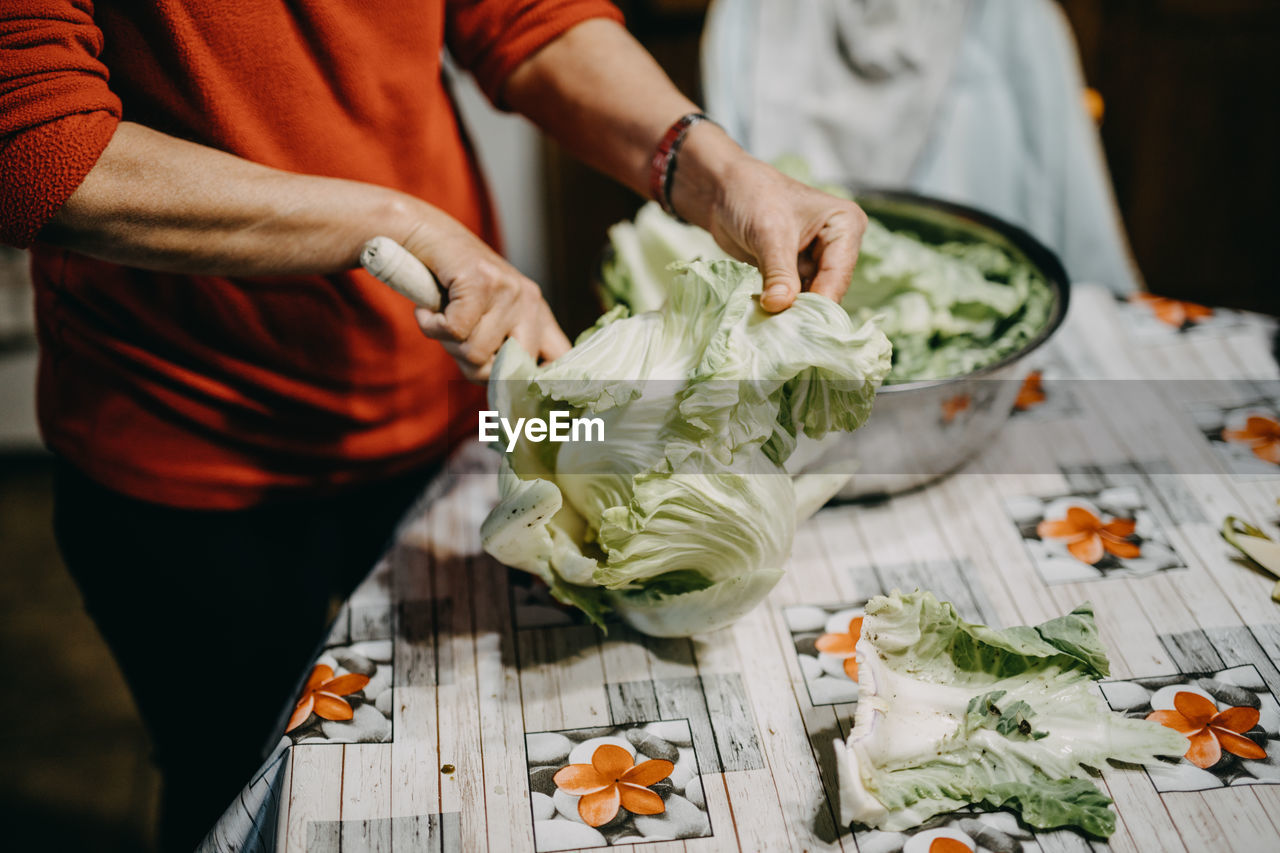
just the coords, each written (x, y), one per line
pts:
(560, 427)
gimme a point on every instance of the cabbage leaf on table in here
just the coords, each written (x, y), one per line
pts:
(681, 519)
(948, 309)
(951, 713)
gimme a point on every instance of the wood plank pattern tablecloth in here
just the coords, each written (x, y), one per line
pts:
(481, 686)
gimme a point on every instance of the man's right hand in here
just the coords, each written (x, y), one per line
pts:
(487, 301)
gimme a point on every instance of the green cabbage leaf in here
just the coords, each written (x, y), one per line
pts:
(952, 714)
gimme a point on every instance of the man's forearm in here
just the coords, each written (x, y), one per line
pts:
(603, 97)
(161, 203)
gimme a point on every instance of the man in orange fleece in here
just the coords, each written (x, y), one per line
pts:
(239, 414)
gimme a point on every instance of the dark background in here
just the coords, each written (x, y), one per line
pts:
(1191, 132)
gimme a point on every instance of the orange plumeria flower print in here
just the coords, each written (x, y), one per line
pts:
(1173, 312)
(1262, 434)
(1031, 394)
(1088, 539)
(843, 644)
(1209, 730)
(613, 780)
(323, 694)
(949, 845)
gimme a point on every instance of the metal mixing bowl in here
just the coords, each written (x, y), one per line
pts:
(923, 430)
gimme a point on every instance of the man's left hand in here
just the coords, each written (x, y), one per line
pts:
(799, 237)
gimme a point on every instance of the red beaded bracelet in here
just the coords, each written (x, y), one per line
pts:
(662, 167)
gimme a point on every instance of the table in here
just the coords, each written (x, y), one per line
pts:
(481, 686)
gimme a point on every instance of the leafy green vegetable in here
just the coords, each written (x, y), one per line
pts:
(1046, 802)
(1012, 721)
(948, 309)
(636, 270)
(1255, 546)
(951, 713)
(682, 517)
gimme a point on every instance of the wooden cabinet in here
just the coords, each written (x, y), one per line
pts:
(1192, 131)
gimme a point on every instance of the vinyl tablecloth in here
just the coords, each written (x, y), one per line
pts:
(480, 687)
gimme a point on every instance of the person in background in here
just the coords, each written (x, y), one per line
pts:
(239, 414)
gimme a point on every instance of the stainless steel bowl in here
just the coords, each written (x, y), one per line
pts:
(921, 431)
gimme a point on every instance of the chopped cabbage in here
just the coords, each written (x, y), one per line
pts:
(681, 519)
(951, 713)
(950, 309)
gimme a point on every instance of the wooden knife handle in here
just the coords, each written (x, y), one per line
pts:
(393, 264)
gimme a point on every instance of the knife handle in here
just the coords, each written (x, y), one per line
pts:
(393, 265)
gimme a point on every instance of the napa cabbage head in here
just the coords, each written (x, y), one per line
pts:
(952, 714)
(681, 518)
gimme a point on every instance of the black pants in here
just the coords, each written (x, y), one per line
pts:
(213, 615)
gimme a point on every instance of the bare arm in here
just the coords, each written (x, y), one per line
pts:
(157, 202)
(603, 97)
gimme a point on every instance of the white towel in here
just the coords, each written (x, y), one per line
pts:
(831, 80)
(976, 101)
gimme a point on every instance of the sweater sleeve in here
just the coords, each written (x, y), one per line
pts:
(490, 38)
(56, 112)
